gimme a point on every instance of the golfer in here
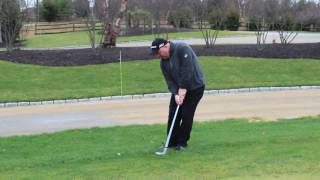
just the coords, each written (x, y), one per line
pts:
(185, 80)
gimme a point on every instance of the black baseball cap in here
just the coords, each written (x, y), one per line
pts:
(157, 44)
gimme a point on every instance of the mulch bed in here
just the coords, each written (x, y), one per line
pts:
(78, 57)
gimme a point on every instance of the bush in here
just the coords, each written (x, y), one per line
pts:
(215, 19)
(49, 10)
(52, 10)
(231, 21)
(252, 26)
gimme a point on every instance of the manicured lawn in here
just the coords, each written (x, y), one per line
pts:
(81, 38)
(30, 83)
(233, 149)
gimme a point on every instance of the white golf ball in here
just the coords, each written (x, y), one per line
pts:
(119, 154)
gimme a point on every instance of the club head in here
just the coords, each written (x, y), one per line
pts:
(160, 153)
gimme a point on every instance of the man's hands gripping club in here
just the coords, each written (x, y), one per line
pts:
(180, 96)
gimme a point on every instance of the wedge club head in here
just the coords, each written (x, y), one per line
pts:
(161, 153)
(165, 148)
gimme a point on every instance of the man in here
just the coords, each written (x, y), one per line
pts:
(185, 81)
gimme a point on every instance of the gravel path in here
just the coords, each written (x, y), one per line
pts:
(305, 37)
(301, 38)
(267, 105)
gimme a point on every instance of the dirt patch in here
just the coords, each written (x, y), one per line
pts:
(76, 57)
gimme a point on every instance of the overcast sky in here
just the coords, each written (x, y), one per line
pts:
(32, 3)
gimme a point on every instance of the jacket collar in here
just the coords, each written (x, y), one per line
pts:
(172, 48)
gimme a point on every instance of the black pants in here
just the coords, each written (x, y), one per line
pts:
(183, 124)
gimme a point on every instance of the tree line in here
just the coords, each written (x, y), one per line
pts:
(258, 15)
(182, 13)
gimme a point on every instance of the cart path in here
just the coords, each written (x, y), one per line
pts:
(236, 39)
(302, 37)
(267, 105)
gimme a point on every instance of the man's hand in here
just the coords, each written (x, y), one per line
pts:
(182, 92)
(180, 96)
(178, 101)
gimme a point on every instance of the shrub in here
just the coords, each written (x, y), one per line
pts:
(231, 21)
(215, 19)
(52, 10)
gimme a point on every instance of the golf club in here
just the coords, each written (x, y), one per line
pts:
(165, 148)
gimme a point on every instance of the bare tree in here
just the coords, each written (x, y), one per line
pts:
(10, 20)
(1, 22)
(112, 28)
(170, 5)
(0, 34)
(242, 8)
(95, 11)
(160, 11)
(196, 7)
(88, 8)
(286, 36)
(261, 32)
(81, 8)
(258, 19)
(179, 9)
(285, 22)
(26, 18)
(211, 31)
(210, 36)
(103, 10)
(307, 15)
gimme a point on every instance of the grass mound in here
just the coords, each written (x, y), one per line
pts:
(31, 83)
(236, 149)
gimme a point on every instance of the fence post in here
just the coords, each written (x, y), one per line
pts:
(0, 34)
(144, 25)
(35, 29)
(73, 27)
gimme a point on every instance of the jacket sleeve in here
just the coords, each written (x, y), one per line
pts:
(185, 67)
(172, 86)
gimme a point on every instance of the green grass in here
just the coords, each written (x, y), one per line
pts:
(233, 149)
(81, 38)
(30, 83)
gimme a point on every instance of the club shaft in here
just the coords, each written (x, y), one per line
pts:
(171, 129)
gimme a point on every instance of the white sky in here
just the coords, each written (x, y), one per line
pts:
(32, 3)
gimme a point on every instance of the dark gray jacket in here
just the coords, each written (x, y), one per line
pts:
(182, 69)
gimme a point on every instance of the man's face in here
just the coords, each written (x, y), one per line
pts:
(163, 52)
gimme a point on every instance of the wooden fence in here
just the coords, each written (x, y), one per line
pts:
(63, 27)
(75, 26)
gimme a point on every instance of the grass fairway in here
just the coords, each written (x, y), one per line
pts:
(233, 149)
(31, 83)
(82, 38)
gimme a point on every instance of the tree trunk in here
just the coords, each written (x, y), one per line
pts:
(241, 6)
(111, 30)
(0, 23)
(0, 35)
